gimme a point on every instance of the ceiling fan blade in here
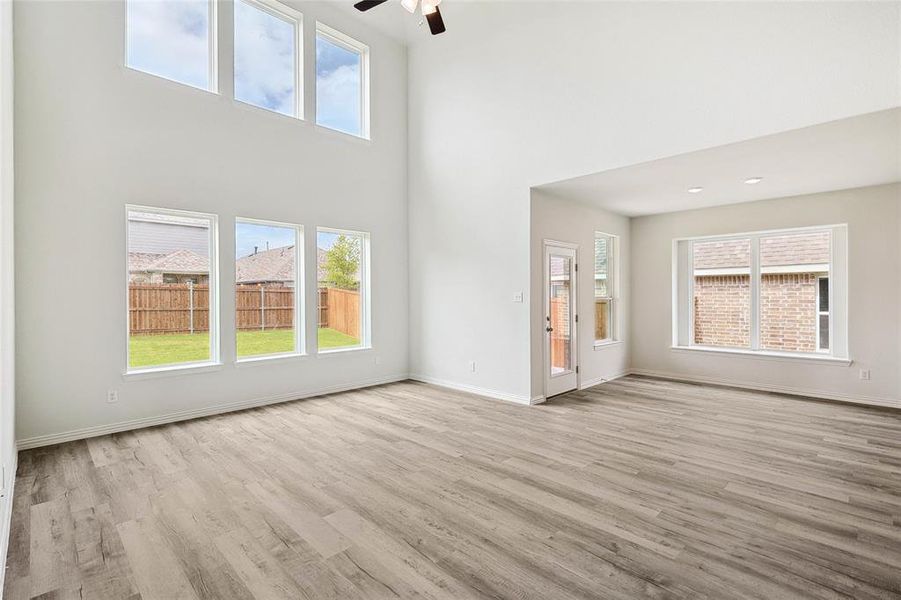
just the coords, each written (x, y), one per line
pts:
(365, 5)
(436, 23)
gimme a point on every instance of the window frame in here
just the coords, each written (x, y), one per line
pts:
(612, 288)
(215, 359)
(683, 294)
(213, 49)
(285, 12)
(352, 45)
(365, 292)
(300, 348)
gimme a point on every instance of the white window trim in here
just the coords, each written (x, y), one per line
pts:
(820, 357)
(195, 366)
(352, 45)
(213, 65)
(612, 278)
(683, 294)
(284, 12)
(365, 292)
(299, 294)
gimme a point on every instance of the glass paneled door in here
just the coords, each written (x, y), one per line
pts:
(560, 356)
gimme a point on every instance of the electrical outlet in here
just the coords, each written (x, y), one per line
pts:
(517, 297)
(112, 396)
(472, 366)
(865, 374)
(378, 360)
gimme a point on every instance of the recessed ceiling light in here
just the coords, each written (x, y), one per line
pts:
(753, 180)
(695, 190)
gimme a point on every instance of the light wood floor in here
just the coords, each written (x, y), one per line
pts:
(639, 488)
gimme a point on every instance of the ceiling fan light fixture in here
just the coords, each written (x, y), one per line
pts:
(429, 7)
(409, 5)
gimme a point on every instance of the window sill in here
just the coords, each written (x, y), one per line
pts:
(602, 345)
(340, 351)
(765, 355)
(172, 370)
(338, 134)
(253, 361)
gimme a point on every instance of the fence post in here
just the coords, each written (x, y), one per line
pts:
(191, 305)
(262, 308)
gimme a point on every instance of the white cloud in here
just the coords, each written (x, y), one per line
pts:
(338, 98)
(264, 59)
(170, 38)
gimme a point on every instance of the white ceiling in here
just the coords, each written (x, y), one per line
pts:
(848, 153)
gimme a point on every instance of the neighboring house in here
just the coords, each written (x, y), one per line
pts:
(167, 249)
(794, 292)
(181, 266)
(272, 267)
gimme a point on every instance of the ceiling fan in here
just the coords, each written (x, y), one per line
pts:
(429, 11)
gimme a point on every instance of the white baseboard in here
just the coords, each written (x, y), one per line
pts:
(193, 413)
(6, 518)
(587, 383)
(780, 389)
(488, 393)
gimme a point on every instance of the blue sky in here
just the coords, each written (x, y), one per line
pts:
(337, 87)
(264, 59)
(325, 239)
(170, 38)
(248, 235)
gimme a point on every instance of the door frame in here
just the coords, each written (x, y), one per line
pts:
(574, 295)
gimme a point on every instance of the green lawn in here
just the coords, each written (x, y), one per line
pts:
(153, 350)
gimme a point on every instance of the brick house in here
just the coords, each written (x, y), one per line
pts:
(794, 292)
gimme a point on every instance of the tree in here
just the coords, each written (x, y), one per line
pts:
(342, 263)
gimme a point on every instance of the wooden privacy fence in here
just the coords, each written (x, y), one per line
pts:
(264, 307)
(161, 308)
(560, 336)
(342, 311)
(168, 308)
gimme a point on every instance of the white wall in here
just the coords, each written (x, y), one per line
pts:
(7, 315)
(872, 215)
(521, 94)
(92, 136)
(566, 221)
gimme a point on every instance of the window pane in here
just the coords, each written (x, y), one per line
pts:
(602, 320)
(168, 289)
(339, 85)
(824, 294)
(265, 59)
(824, 332)
(602, 287)
(171, 38)
(561, 300)
(339, 266)
(722, 293)
(790, 267)
(265, 278)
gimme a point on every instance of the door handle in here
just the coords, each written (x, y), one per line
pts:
(549, 329)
